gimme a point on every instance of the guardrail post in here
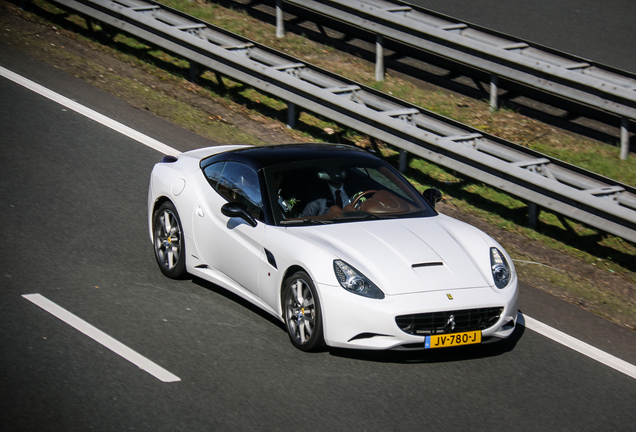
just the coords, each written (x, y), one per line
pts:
(494, 90)
(291, 115)
(105, 33)
(280, 22)
(403, 160)
(379, 58)
(219, 79)
(624, 138)
(194, 73)
(533, 215)
(89, 22)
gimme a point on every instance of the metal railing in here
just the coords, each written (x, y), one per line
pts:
(502, 56)
(531, 176)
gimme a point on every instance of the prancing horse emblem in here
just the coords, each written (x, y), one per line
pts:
(450, 296)
(451, 323)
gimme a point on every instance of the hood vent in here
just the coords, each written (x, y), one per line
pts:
(428, 264)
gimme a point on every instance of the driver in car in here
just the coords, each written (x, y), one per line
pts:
(338, 197)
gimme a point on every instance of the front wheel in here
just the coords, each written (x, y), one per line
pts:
(303, 315)
(168, 241)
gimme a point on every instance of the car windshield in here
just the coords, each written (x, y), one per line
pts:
(335, 190)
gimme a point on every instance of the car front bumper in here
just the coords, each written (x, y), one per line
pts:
(353, 321)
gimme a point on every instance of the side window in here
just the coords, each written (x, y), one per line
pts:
(213, 173)
(239, 183)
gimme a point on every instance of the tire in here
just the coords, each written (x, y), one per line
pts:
(168, 241)
(303, 314)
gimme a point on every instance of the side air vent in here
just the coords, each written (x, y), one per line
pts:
(270, 259)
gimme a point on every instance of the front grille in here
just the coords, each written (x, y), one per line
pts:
(441, 322)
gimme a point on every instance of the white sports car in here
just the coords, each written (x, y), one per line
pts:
(335, 243)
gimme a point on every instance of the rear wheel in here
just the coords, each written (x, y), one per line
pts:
(303, 315)
(168, 241)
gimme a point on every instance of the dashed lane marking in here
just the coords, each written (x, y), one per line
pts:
(102, 338)
(577, 345)
(87, 112)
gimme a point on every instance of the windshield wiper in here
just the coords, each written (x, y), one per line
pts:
(366, 216)
(307, 220)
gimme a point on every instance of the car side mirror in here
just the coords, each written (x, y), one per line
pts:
(433, 196)
(238, 210)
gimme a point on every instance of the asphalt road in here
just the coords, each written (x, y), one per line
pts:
(601, 31)
(73, 218)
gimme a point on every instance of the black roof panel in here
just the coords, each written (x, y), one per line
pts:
(265, 156)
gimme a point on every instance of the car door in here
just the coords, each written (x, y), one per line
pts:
(230, 245)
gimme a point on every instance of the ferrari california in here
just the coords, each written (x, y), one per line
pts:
(335, 243)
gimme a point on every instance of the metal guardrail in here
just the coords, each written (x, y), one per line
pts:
(534, 177)
(500, 55)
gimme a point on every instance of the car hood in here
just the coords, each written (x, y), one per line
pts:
(404, 256)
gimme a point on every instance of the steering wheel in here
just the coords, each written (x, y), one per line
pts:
(356, 201)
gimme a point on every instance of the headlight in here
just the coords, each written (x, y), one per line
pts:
(500, 268)
(354, 281)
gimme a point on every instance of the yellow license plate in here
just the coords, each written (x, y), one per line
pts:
(453, 339)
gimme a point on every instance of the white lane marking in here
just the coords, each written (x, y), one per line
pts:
(532, 324)
(87, 112)
(101, 337)
(577, 345)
